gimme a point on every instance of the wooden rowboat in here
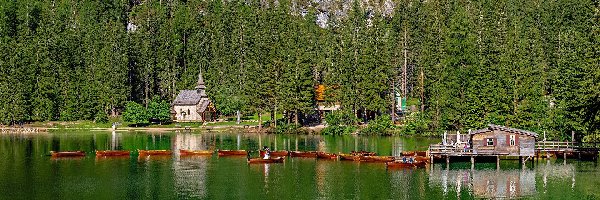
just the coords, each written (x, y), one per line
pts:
(414, 153)
(400, 164)
(270, 160)
(349, 157)
(154, 152)
(274, 153)
(323, 155)
(376, 158)
(363, 153)
(306, 154)
(232, 152)
(186, 152)
(67, 153)
(422, 159)
(111, 153)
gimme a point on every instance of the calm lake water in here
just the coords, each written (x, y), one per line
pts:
(28, 172)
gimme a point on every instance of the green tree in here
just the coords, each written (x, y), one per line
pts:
(135, 113)
(159, 109)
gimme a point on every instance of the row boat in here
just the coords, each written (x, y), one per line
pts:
(185, 152)
(67, 153)
(306, 154)
(376, 158)
(421, 159)
(274, 153)
(349, 157)
(269, 160)
(323, 155)
(112, 153)
(232, 152)
(401, 164)
(363, 153)
(154, 152)
(414, 153)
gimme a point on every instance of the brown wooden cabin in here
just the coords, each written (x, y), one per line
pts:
(501, 140)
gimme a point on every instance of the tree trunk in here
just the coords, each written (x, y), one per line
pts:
(259, 120)
(296, 117)
(393, 114)
(422, 91)
(404, 69)
(273, 116)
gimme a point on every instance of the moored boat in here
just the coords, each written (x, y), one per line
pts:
(349, 157)
(232, 152)
(323, 155)
(67, 153)
(154, 152)
(269, 160)
(306, 154)
(414, 153)
(363, 153)
(376, 158)
(402, 164)
(112, 153)
(422, 159)
(274, 153)
(187, 152)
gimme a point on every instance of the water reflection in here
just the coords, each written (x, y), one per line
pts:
(549, 171)
(25, 162)
(509, 183)
(190, 174)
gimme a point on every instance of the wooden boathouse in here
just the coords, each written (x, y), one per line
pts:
(493, 141)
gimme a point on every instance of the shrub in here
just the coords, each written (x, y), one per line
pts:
(341, 117)
(379, 126)
(591, 138)
(159, 109)
(101, 117)
(135, 113)
(415, 123)
(289, 129)
(338, 130)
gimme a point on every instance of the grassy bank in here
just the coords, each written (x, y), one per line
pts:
(251, 120)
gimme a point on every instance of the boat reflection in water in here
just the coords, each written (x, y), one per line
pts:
(508, 183)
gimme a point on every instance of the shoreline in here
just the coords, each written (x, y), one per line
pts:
(29, 129)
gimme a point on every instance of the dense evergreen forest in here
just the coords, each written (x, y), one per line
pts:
(526, 64)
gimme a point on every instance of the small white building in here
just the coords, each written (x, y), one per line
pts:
(193, 105)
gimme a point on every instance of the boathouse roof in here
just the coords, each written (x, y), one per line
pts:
(493, 127)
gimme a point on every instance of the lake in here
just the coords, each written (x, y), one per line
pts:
(28, 172)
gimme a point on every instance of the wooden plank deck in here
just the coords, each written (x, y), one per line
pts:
(542, 146)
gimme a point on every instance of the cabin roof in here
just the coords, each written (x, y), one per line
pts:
(493, 127)
(204, 106)
(188, 97)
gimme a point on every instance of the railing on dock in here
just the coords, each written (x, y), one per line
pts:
(566, 146)
(554, 146)
(448, 149)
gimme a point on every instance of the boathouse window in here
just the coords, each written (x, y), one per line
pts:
(490, 141)
(512, 140)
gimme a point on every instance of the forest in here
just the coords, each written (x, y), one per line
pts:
(526, 64)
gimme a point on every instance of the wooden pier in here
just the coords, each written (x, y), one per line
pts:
(578, 150)
(543, 149)
(446, 152)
